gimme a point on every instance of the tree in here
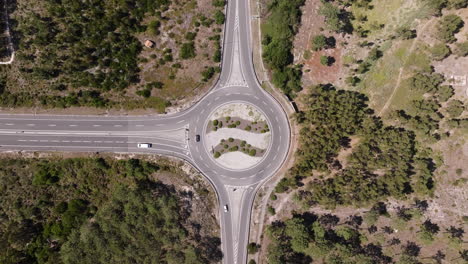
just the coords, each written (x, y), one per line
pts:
(335, 18)
(457, 4)
(455, 108)
(319, 42)
(456, 233)
(461, 49)
(411, 249)
(326, 60)
(448, 26)
(440, 52)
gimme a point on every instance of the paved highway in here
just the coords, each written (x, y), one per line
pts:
(174, 134)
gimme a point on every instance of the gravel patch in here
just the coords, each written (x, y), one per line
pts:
(240, 110)
(237, 160)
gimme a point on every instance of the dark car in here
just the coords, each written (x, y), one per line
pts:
(197, 138)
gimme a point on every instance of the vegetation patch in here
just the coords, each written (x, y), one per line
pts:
(131, 54)
(278, 30)
(239, 123)
(234, 144)
(71, 210)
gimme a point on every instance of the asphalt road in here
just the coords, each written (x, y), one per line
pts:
(174, 134)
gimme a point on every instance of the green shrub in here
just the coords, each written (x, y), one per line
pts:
(455, 108)
(252, 152)
(218, 3)
(440, 52)
(326, 60)
(190, 36)
(217, 155)
(462, 49)
(153, 27)
(208, 74)
(319, 42)
(187, 50)
(252, 248)
(219, 17)
(145, 93)
(248, 128)
(234, 148)
(230, 139)
(448, 27)
(217, 56)
(215, 122)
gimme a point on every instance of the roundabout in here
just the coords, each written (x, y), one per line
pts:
(237, 135)
(243, 134)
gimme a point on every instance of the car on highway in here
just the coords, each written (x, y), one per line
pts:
(145, 145)
(226, 208)
(197, 138)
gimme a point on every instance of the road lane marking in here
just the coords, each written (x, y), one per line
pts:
(276, 155)
(180, 121)
(256, 97)
(96, 125)
(65, 141)
(140, 125)
(216, 98)
(22, 140)
(276, 118)
(117, 125)
(31, 124)
(9, 124)
(52, 125)
(263, 102)
(73, 125)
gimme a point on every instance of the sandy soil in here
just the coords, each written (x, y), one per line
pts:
(243, 111)
(237, 160)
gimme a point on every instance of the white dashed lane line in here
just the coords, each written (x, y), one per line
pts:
(30, 124)
(140, 125)
(96, 125)
(72, 125)
(9, 124)
(52, 125)
(117, 125)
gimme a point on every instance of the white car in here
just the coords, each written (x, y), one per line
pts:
(144, 145)
(226, 208)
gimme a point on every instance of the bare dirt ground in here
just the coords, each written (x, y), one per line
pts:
(313, 72)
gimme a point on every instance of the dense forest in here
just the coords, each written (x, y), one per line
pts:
(97, 210)
(376, 236)
(383, 161)
(278, 31)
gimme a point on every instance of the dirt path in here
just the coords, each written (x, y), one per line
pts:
(402, 68)
(8, 34)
